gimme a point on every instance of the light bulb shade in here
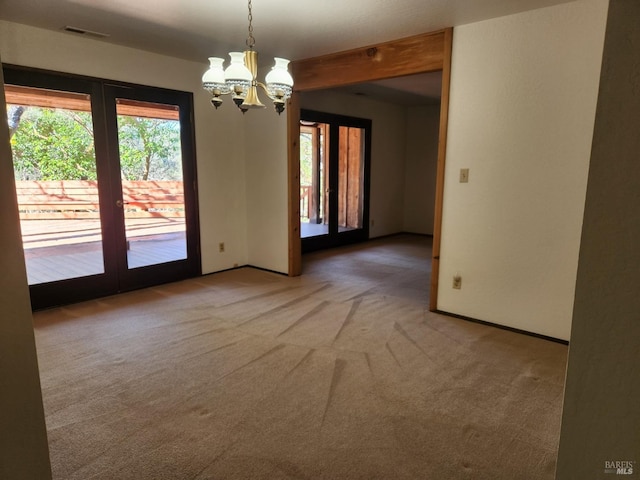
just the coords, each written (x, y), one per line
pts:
(237, 76)
(279, 81)
(213, 79)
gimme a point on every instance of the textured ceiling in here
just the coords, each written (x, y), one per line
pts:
(196, 29)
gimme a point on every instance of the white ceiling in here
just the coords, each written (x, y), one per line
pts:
(411, 90)
(294, 29)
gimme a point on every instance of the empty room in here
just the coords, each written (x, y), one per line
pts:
(405, 248)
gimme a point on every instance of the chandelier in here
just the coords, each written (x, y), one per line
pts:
(240, 78)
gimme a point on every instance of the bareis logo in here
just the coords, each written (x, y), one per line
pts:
(619, 467)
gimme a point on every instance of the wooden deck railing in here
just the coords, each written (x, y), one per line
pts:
(305, 206)
(79, 199)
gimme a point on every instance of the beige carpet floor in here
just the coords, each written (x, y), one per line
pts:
(341, 373)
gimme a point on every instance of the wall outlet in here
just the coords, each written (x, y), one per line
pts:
(221, 247)
(457, 282)
(464, 175)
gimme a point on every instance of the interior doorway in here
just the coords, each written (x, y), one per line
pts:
(335, 158)
(430, 52)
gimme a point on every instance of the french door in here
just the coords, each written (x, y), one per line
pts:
(335, 153)
(105, 181)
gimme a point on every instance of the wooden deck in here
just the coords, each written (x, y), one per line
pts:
(59, 249)
(308, 229)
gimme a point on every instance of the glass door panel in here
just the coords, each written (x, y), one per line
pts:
(350, 178)
(151, 175)
(106, 184)
(54, 160)
(314, 180)
(334, 179)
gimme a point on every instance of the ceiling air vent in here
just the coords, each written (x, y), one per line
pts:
(82, 31)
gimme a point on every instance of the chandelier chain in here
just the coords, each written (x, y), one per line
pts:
(250, 40)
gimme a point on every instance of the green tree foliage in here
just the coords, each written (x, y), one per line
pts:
(149, 148)
(58, 144)
(306, 156)
(51, 144)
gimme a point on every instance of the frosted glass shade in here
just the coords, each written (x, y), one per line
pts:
(279, 81)
(237, 75)
(213, 79)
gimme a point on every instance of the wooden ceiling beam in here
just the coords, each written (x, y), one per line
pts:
(411, 55)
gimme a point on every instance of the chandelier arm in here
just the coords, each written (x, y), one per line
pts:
(266, 91)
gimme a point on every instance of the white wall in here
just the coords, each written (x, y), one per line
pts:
(423, 125)
(267, 187)
(387, 152)
(521, 116)
(219, 146)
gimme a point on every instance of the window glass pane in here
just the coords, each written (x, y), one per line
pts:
(350, 178)
(314, 180)
(152, 184)
(56, 182)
